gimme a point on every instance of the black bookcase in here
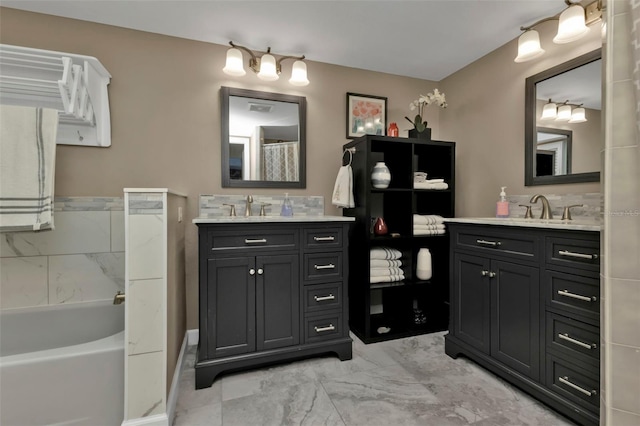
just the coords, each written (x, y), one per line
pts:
(391, 305)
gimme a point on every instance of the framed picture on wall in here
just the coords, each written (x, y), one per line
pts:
(366, 115)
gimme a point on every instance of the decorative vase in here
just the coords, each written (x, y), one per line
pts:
(423, 265)
(393, 130)
(380, 176)
(413, 133)
(380, 228)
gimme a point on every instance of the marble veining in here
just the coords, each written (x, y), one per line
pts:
(212, 205)
(576, 225)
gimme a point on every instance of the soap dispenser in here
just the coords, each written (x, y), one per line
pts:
(502, 208)
(287, 208)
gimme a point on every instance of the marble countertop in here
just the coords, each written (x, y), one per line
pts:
(271, 219)
(574, 225)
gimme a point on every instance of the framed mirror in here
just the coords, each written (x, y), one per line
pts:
(263, 139)
(564, 149)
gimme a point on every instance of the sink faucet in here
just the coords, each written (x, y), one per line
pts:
(247, 211)
(546, 210)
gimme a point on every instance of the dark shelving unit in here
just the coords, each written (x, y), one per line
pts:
(393, 303)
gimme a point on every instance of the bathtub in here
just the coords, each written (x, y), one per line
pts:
(62, 365)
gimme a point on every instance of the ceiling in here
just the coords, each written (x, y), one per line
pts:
(428, 39)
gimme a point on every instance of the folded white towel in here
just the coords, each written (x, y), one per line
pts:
(386, 279)
(428, 227)
(429, 219)
(385, 253)
(383, 272)
(431, 232)
(343, 188)
(434, 180)
(27, 167)
(428, 185)
(380, 263)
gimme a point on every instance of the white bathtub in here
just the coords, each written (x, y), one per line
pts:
(62, 365)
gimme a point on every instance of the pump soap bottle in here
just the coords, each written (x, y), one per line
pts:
(502, 207)
(287, 208)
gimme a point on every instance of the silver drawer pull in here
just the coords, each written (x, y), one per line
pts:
(330, 327)
(579, 255)
(577, 296)
(261, 240)
(565, 336)
(324, 238)
(323, 298)
(566, 381)
(329, 266)
(489, 243)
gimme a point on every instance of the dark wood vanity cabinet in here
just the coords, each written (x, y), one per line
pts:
(525, 306)
(270, 293)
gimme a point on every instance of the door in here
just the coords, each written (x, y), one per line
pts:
(472, 301)
(231, 306)
(277, 301)
(515, 318)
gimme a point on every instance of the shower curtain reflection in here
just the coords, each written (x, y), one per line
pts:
(280, 161)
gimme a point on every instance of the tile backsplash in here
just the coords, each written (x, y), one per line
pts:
(81, 260)
(592, 205)
(212, 205)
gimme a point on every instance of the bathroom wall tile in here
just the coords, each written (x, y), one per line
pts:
(145, 389)
(622, 191)
(622, 247)
(212, 205)
(75, 232)
(85, 277)
(146, 252)
(622, 67)
(88, 204)
(623, 418)
(625, 296)
(23, 282)
(117, 231)
(623, 113)
(625, 371)
(145, 302)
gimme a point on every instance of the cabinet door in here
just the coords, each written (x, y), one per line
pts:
(231, 316)
(471, 300)
(515, 317)
(277, 301)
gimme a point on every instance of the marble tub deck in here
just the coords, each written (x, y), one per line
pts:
(401, 382)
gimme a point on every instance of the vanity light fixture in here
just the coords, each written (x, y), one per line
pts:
(563, 112)
(578, 115)
(549, 111)
(267, 67)
(573, 25)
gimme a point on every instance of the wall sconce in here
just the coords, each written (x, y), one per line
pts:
(266, 67)
(573, 25)
(564, 112)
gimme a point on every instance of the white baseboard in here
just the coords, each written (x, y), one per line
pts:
(172, 399)
(194, 336)
(157, 420)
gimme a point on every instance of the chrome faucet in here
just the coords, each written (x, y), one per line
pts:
(546, 210)
(247, 211)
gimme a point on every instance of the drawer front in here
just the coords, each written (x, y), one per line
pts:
(323, 266)
(573, 338)
(253, 239)
(323, 327)
(510, 243)
(321, 297)
(573, 253)
(574, 383)
(322, 238)
(573, 293)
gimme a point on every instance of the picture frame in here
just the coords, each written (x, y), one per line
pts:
(366, 115)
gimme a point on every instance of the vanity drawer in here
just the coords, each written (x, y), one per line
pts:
(323, 266)
(575, 383)
(323, 327)
(513, 243)
(322, 238)
(574, 294)
(573, 338)
(573, 253)
(321, 297)
(256, 238)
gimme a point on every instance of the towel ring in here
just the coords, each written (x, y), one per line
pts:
(350, 151)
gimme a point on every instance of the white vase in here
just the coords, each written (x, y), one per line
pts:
(423, 265)
(380, 176)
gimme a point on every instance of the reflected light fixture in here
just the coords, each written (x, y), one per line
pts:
(549, 111)
(563, 112)
(266, 67)
(573, 25)
(578, 115)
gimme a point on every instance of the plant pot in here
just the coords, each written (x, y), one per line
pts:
(413, 133)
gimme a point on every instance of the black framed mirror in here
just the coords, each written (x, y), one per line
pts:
(263, 139)
(568, 150)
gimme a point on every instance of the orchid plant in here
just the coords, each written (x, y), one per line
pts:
(435, 97)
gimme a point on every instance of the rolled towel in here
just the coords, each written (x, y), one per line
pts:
(380, 263)
(383, 272)
(386, 279)
(430, 232)
(385, 253)
(429, 219)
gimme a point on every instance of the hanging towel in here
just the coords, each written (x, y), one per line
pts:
(27, 161)
(343, 188)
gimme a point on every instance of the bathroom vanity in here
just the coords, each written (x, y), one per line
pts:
(272, 289)
(525, 305)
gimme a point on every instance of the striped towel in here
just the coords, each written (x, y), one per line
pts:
(385, 253)
(380, 263)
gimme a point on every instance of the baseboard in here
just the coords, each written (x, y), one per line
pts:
(172, 399)
(157, 420)
(194, 336)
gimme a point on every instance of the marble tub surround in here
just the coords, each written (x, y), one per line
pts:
(591, 211)
(405, 381)
(212, 205)
(81, 260)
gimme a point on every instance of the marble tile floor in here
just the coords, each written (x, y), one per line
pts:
(401, 382)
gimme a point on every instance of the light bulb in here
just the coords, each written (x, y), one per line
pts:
(268, 68)
(299, 74)
(234, 63)
(529, 46)
(572, 25)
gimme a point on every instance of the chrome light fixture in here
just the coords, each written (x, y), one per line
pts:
(266, 67)
(573, 25)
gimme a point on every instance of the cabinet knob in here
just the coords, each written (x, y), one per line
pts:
(252, 271)
(260, 271)
(484, 273)
(492, 274)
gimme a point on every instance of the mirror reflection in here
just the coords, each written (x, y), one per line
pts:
(263, 139)
(563, 138)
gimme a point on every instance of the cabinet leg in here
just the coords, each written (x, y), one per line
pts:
(451, 349)
(345, 353)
